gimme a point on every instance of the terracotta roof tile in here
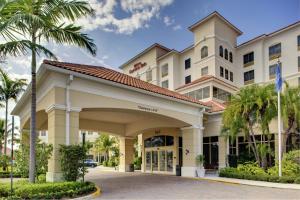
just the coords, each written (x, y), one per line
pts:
(215, 106)
(118, 77)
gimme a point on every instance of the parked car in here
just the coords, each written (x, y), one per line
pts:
(90, 163)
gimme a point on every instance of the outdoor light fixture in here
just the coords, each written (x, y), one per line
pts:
(187, 152)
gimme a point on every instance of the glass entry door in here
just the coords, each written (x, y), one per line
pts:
(159, 160)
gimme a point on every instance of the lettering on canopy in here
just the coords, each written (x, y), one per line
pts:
(147, 109)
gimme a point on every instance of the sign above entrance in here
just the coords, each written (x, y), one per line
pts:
(149, 109)
(137, 66)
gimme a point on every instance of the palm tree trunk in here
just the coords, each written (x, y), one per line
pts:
(33, 114)
(253, 146)
(5, 133)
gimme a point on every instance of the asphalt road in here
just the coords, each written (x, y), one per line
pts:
(139, 186)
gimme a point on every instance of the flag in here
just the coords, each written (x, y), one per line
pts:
(278, 81)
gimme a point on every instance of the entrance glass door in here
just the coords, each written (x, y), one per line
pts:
(154, 160)
(159, 161)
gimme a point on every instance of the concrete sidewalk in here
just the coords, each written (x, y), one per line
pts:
(251, 182)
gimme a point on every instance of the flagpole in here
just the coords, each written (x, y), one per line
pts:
(278, 88)
(279, 136)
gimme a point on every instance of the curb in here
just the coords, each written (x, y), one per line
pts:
(97, 193)
(256, 183)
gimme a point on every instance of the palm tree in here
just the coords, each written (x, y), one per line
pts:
(26, 23)
(10, 89)
(251, 106)
(290, 110)
(105, 143)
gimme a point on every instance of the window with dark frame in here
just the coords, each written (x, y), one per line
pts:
(221, 71)
(231, 76)
(226, 54)
(188, 79)
(187, 63)
(298, 42)
(221, 51)
(226, 74)
(248, 59)
(298, 63)
(248, 76)
(165, 84)
(230, 57)
(204, 52)
(164, 70)
(275, 51)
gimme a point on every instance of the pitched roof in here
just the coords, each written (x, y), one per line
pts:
(145, 51)
(202, 79)
(118, 77)
(215, 13)
(215, 106)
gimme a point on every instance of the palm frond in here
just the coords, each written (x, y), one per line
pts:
(23, 47)
(70, 34)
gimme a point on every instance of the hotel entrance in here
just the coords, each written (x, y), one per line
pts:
(159, 154)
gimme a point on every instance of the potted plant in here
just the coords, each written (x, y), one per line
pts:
(200, 171)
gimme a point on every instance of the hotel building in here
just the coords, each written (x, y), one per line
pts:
(172, 100)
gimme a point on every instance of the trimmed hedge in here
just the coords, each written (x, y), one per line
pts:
(234, 173)
(25, 190)
(7, 175)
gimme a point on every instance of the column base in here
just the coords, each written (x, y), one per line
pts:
(124, 168)
(54, 177)
(188, 171)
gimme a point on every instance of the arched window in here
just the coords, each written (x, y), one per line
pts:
(226, 54)
(159, 141)
(230, 57)
(221, 51)
(204, 52)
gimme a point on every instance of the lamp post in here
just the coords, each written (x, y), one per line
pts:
(12, 155)
(83, 146)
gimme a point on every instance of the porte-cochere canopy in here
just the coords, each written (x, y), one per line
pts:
(73, 97)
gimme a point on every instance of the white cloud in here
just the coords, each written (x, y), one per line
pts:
(176, 27)
(168, 21)
(138, 15)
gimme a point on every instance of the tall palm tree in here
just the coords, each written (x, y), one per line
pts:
(26, 23)
(105, 143)
(10, 89)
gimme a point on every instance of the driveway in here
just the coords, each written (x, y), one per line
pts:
(115, 185)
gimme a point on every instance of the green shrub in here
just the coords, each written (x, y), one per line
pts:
(251, 168)
(287, 179)
(289, 168)
(25, 190)
(71, 161)
(137, 163)
(297, 180)
(105, 163)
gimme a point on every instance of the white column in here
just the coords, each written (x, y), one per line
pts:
(126, 153)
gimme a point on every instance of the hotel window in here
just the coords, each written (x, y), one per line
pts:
(164, 70)
(221, 71)
(204, 52)
(165, 84)
(298, 42)
(249, 59)
(221, 51)
(231, 76)
(230, 57)
(226, 54)
(275, 51)
(248, 77)
(221, 94)
(187, 63)
(226, 74)
(199, 94)
(43, 133)
(149, 75)
(204, 71)
(187, 79)
(272, 70)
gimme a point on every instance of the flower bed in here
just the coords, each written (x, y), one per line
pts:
(235, 173)
(25, 190)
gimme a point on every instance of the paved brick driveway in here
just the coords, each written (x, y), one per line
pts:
(140, 186)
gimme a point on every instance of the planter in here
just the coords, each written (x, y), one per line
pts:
(200, 172)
